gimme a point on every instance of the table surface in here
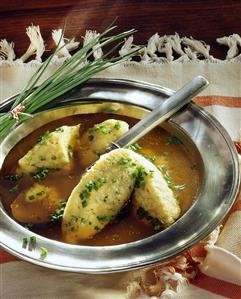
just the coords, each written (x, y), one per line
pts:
(202, 19)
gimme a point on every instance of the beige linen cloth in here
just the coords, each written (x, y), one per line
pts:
(222, 264)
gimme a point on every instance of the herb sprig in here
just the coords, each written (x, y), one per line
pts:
(75, 71)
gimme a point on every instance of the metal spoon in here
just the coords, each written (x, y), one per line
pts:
(161, 113)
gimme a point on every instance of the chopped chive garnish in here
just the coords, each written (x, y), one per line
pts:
(97, 228)
(43, 253)
(90, 186)
(25, 243)
(135, 147)
(60, 129)
(101, 182)
(40, 175)
(12, 178)
(117, 125)
(91, 137)
(32, 243)
(14, 189)
(139, 176)
(44, 137)
(173, 140)
(42, 158)
(58, 214)
(179, 187)
(28, 225)
(103, 218)
(150, 158)
(155, 223)
(98, 153)
(126, 162)
(40, 193)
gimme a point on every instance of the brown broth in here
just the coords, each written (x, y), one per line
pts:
(178, 161)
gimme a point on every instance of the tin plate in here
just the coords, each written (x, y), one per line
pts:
(198, 129)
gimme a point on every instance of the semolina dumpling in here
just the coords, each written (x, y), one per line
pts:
(96, 140)
(153, 194)
(36, 205)
(53, 150)
(99, 196)
(107, 186)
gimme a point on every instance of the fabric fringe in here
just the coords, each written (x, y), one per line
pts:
(65, 44)
(36, 46)
(159, 49)
(88, 38)
(166, 280)
(7, 51)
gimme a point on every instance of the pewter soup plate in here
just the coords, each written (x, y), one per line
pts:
(199, 131)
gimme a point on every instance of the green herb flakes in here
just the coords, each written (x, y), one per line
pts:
(25, 242)
(173, 140)
(70, 151)
(90, 186)
(58, 214)
(31, 197)
(166, 175)
(98, 153)
(42, 158)
(84, 203)
(102, 128)
(29, 243)
(91, 137)
(84, 194)
(103, 218)
(14, 189)
(117, 125)
(28, 225)
(44, 137)
(154, 222)
(139, 176)
(135, 147)
(178, 187)
(60, 130)
(41, 174)
(152, 159)
(40, 193)
(126, 162)
(32, 243)
(43, 253)
(12, 178)
(101, 182)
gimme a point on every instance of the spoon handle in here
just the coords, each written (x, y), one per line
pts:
(162, 112)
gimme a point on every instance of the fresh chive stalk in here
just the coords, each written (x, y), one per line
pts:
(74, 71)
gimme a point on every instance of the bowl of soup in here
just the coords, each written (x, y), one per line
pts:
(68, 205)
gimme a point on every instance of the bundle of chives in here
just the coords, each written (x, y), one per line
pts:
(74, 71)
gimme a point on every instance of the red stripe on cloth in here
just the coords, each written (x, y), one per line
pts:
(6, 257)
(198, 250)
(238, 146)
(217, 286)
(237, 204)
(232, 102)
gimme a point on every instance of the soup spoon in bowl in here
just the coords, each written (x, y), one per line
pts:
(161, 113)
